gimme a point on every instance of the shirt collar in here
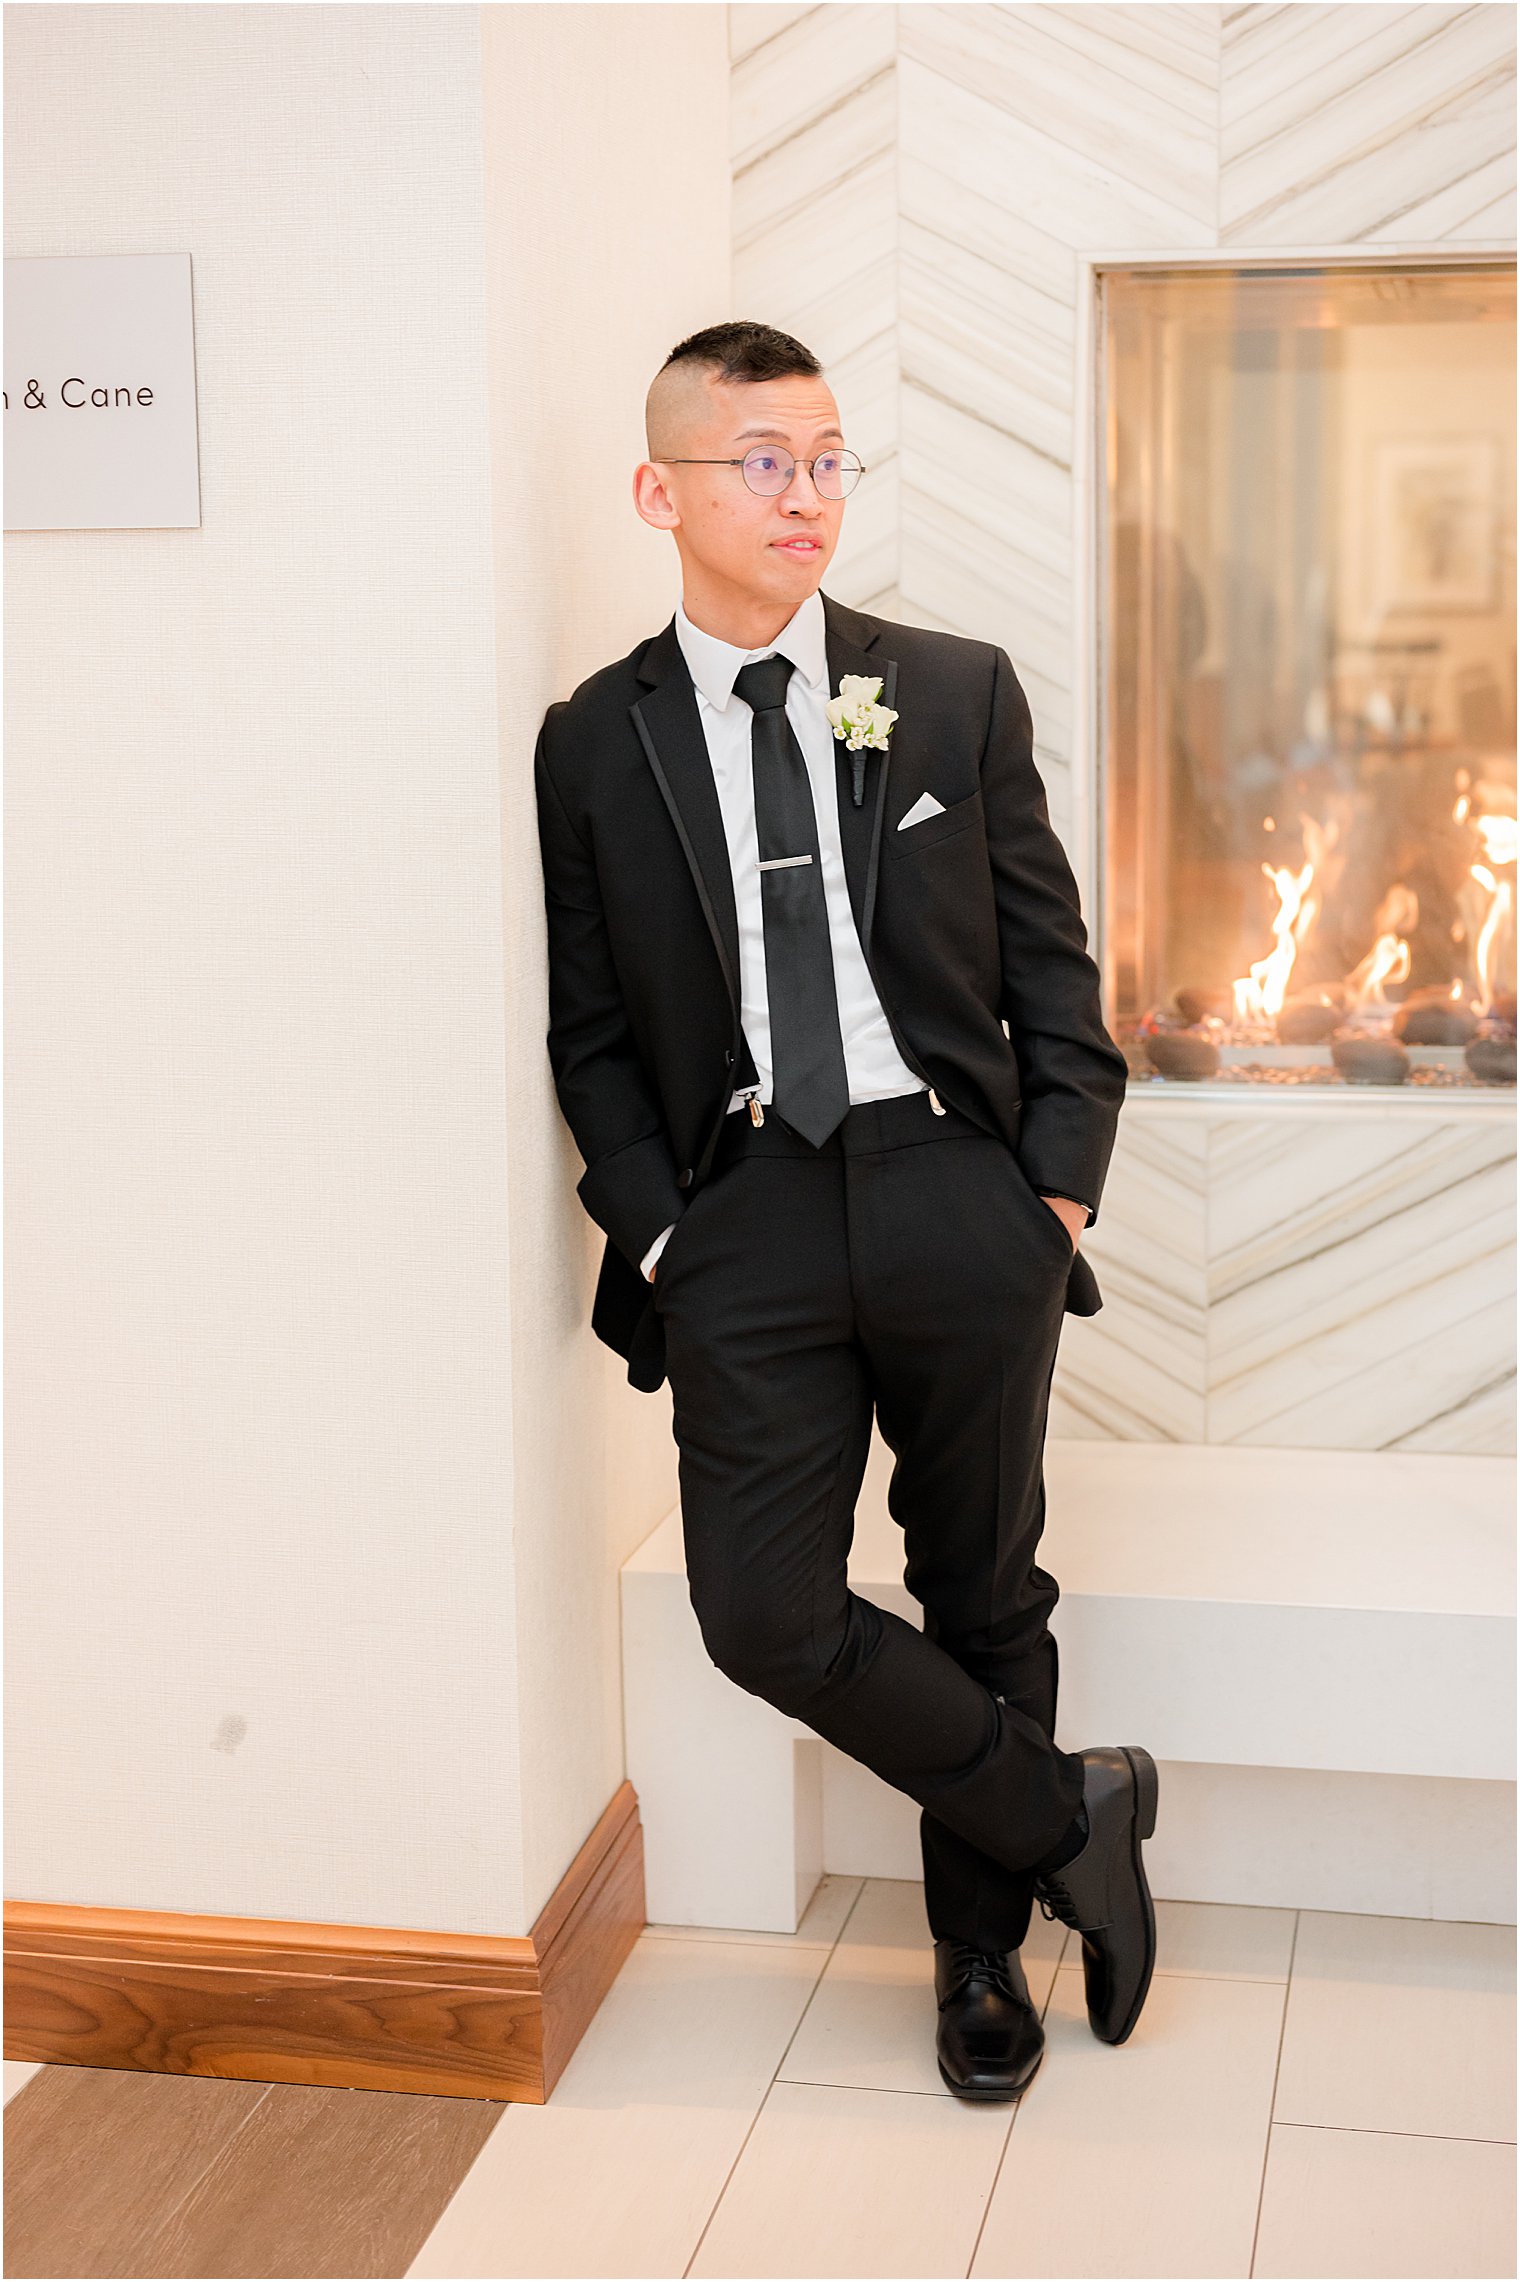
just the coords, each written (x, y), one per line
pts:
(713, 665)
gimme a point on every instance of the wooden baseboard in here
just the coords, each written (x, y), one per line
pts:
(475, 2016)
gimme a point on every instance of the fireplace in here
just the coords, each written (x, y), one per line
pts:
(1307, 820)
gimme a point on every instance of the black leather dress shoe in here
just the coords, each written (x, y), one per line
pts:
(1102, 1891)
(989, 2038)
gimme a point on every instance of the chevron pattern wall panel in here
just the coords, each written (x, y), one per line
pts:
(918, 190)
(814, 110)
(1310, 1276)
(1027, 134)
(1359, 125)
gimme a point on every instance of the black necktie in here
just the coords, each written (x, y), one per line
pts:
(810, 1086)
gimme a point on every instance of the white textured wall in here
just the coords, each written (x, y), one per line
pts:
(260, 1518)
(607, 202)
(292, 1530)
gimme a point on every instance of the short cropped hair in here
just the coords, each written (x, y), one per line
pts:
(740, 350)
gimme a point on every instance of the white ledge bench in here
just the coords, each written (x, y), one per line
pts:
(1317, 1645)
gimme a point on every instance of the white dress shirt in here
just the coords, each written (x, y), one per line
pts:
(873, 1066)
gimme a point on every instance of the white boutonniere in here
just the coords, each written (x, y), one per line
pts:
(859, 721)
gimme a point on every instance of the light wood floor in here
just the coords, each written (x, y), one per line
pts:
(1305, 2095)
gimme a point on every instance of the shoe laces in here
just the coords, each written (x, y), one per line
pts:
(1054, 1897)
(991, 1964)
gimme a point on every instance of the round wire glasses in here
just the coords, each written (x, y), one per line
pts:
(768, 471)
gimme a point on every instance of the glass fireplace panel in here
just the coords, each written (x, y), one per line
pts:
(1308, 700)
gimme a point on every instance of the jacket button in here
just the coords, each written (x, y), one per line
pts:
(683, 1178)
(728, 1057)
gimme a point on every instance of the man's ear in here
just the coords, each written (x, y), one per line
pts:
(652, 500)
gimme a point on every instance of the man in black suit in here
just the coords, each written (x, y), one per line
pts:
(823, 1021)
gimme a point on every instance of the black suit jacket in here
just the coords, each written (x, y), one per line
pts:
(969, 921)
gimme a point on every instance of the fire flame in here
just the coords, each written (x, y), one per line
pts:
(1387, 961)
(1501, 904)
(1258, 996)
(1500, 846)
(1499, 838)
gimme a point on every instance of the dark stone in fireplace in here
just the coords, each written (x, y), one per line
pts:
(1194, 1001)
(1369, 1058)
(1181, 1053)
(1431, 1018)
(1306, 1021)
(1491, 1056)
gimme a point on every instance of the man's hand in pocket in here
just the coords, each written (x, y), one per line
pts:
(1072, 1216)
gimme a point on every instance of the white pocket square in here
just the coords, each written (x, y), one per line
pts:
(925, 805)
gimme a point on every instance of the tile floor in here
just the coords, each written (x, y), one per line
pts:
(1305, 2095)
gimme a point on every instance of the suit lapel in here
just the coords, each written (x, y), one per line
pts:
(670, 730)
(669, 727)
(850, 639)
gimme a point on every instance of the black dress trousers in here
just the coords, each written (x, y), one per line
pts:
(908, 1268)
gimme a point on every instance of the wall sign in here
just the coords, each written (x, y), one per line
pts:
(100, 394)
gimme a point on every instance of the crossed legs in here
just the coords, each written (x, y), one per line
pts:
(922, 1282)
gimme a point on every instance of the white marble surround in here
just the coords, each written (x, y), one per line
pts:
(923, 194)
(1321, 1274)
